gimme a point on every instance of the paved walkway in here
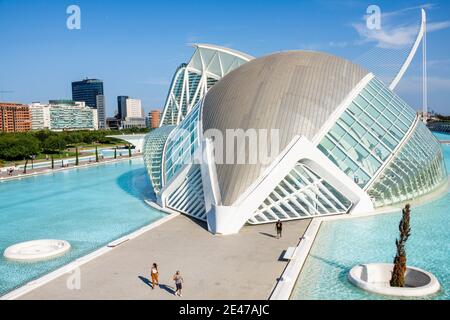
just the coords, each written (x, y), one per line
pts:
(242, 266)
(18, 173)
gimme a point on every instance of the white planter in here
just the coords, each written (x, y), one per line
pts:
(36, 250)
(375, 278)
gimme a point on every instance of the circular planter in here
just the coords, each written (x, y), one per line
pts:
(375, 278)
(36, 250)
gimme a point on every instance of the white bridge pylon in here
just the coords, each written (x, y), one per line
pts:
(421, 38)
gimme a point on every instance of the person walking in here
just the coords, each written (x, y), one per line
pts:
(178, 283)
(279, 228)
(154, 274)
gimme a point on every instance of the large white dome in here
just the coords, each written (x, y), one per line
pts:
(294, 91)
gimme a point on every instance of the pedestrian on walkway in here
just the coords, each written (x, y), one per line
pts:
(154, 274)
(279, 228)
(178, 283)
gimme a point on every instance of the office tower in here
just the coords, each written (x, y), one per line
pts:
(91, 92)
(121, 107)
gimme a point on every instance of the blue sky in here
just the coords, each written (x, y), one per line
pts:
(135, 46)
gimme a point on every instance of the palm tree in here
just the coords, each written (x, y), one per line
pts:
(398, 274)
(53, 163)
(129, 150)
(96, 154)
(115, 153)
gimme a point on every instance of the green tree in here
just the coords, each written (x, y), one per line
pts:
(54, 144)
(43, 134)
(30, 148)
(18, 146)
(398, 274)
(96, 154)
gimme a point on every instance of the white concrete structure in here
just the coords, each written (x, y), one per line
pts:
(376, 278)
(344, 143)
(192, 80)
(136, 140)
(37, 250)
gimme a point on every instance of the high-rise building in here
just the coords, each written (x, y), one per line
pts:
(121, 107)
(14, 117)
(154, 118)
(40, 116)
(91, 92)
(101, 111)
(87, 90)
(134, 108)
(131, 113)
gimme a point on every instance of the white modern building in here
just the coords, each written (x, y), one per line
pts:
(59, 115)
(339, 142)
(193, 79)
(40, 116)
(131, 113)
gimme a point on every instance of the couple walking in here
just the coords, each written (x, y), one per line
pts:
(176, 277)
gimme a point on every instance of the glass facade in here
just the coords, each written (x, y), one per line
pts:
(368, 132)
(191, 81)
(122, 107)
(153, 153)
(87, 91)
(182, 143)
(188, 197)
(71, 118)
(302, 194)
(175, 99)
(416, 170)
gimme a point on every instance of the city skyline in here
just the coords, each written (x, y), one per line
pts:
(135, 50)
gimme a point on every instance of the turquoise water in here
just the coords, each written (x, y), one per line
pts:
(342, 244)
(88, 207)
(442, 136)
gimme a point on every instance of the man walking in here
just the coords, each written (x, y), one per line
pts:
(178, 283)
(279, 228)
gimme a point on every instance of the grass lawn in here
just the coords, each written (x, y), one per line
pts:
(68, 153)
